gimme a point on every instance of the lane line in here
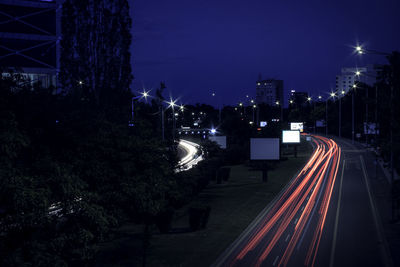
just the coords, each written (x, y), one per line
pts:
(386, 257)
(287, 238)
(275, 261)
(331, 262)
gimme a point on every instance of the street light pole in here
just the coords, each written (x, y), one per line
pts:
(340, 115)
(366, 115)
(352, 117)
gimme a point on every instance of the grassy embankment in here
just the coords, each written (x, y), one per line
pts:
(234, 204)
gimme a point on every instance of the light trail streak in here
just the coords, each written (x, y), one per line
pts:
(191, 158)
(307, 198)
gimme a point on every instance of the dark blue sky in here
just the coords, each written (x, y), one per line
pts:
(200, 46)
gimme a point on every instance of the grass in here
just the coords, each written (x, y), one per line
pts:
(234, 205)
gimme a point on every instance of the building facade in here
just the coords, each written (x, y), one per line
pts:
(30, 31)
(348, 77)
(269, 92)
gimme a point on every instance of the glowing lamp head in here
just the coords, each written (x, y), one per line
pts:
(358, 73)
(343, 92)
(354, 86)
(332, 94)
(308, 98)
(213, 131)
(277, 103)
(80, 82)
(291, 101)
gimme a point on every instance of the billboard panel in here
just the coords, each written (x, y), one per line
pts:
(290, 137)
(263, 123)
(264, 148)
(220, 140)
(296, 126)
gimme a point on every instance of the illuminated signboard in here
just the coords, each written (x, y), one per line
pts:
(290, 137)
(294, 126)
(263, 123)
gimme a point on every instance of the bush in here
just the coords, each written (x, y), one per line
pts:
(164, 220)
(198, 216)
(223, 173)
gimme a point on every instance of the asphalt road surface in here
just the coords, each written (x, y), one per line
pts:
(326, 216)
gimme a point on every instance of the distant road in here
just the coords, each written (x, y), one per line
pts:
(324, 217)
(190, 154)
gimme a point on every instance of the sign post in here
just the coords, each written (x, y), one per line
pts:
(262, 150)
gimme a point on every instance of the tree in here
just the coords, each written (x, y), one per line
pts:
(95, 56)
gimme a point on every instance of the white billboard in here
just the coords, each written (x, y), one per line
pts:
(290, 137)
(263, 123)
(220, 140)
(294, 126)
(264, 148)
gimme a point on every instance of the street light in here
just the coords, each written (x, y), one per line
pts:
(331, 95)
(279, 104)
(142, 94)
(254, 107)
(352, 113)
(171, 104)
(315, 122)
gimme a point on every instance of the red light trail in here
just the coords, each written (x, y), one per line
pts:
(301, 208)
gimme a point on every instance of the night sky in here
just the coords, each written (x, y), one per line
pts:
(200, 47)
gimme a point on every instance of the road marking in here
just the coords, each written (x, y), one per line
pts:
(287, 238)
(295, 222)
(337, 218)
(275, 261)
(384, 252)
(302, 208)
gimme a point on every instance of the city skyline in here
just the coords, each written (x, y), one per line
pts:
(202, 48)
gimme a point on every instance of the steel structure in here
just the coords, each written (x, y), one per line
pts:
(30, 32)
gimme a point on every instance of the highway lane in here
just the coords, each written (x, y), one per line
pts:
(354, 235)
(289, 231)
(191, 157)
(326, 216)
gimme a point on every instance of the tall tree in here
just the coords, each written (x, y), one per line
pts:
(95, 57)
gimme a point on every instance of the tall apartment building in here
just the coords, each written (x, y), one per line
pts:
(269, 91)
(29, 38)
(345, 81)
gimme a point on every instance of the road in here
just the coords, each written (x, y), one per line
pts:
(190, 155)
(324, 217)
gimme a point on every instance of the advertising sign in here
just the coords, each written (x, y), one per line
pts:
(296, 126)
(290, 137)
(263, 123)
(264, 148)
